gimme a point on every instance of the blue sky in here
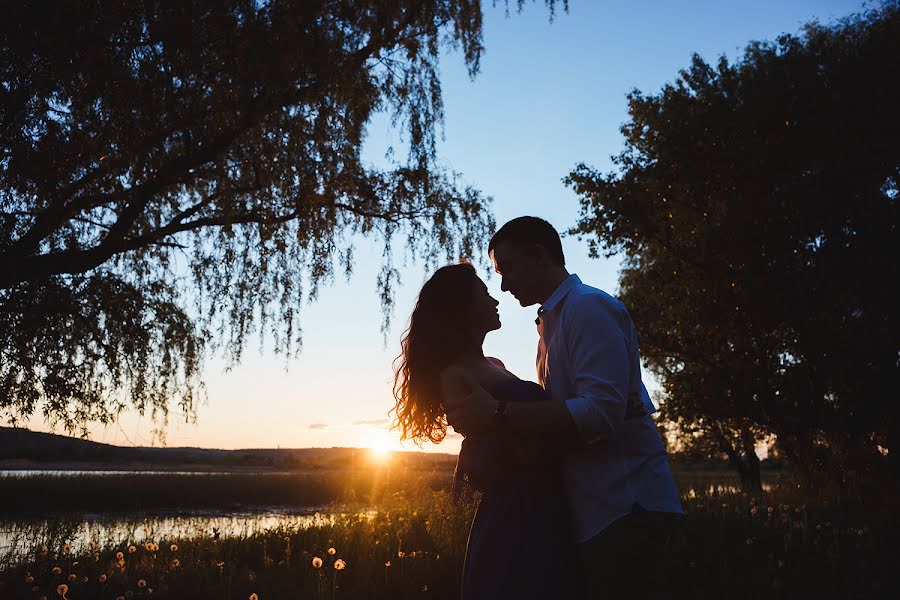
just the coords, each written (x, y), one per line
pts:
(549, 95)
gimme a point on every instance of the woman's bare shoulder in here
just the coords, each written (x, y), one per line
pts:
(495, 361)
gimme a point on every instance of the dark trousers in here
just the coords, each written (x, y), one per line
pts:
(626, 560)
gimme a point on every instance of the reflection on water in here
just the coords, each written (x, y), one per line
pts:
(28, 536)
(67, 473)
(718, 489)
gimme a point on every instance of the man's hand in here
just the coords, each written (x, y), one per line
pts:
(470, 408)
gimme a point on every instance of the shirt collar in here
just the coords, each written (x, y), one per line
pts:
(559, 293)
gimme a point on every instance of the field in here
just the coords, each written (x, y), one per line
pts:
(382, 532)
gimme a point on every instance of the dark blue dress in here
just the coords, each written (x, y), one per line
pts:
(520, 545)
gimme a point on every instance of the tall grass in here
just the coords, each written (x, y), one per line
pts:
(399, 536)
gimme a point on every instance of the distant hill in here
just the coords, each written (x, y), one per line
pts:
(23, 448)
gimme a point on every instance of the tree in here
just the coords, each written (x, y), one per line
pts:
(755, 203)
(177, 175)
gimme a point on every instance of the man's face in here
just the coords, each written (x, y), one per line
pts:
(519, 271)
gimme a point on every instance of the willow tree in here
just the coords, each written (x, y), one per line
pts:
(175, 176)
(756, 207)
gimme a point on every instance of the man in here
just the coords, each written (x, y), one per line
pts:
(620, 490)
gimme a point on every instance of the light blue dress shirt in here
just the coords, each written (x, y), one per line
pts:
(588, 358)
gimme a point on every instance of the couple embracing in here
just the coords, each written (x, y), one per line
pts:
(577, 499)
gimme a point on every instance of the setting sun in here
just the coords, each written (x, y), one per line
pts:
(380, 448)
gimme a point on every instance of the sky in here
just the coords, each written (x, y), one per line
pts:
(548, 96)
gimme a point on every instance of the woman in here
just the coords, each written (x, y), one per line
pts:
(519, 545)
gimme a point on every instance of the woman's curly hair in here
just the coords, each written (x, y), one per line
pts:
(435, 339)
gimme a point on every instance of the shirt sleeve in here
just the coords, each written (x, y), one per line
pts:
(598, 355)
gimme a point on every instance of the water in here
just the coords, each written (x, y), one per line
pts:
(24, 473)
(23, 537)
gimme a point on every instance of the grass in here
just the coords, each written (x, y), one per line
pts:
(788, 543)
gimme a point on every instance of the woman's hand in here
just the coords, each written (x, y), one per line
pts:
(470, 408)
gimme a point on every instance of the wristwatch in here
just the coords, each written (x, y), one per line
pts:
(500, 420)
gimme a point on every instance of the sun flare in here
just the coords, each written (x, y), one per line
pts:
(380, 449)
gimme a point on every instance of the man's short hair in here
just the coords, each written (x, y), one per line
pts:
(523, 231)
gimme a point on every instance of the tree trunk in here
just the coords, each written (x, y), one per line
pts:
(745, 463)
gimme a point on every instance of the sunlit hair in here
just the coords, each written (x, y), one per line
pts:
(436, 338)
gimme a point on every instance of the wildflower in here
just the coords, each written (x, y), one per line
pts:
(401, 553)
(119, 555)
(316, 562)
(331, 551)
(387, 564)
(176, 563)
(253, 597)
(770, 510)
(780, 564)
(142, 583)
(96, 556)
(860, 532)
(67, 548)
(131, 549)
(754, 510)
(56, 570)
(339, 565)
(120, 597)
(92, 545)
(45, 550)
(72, 577)
(425, 588)
(102, 578)
(220, 564)
(174, 547)
(84, 579)
(62, 589)
(29, 580)
(750, 541)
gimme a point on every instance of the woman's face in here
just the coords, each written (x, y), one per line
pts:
(485, 316)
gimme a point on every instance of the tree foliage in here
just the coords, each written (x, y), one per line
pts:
(175, 176)
(756, 206)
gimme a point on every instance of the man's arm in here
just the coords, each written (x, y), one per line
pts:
(597, 348)
(471, 409)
